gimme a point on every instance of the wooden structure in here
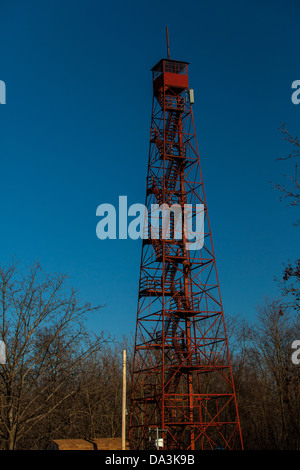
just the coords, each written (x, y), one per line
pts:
(111, 443)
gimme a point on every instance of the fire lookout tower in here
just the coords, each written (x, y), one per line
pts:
(182, 385)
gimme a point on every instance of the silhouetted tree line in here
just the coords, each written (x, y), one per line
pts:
(60, 381)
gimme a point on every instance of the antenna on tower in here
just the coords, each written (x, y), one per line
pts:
(168, 48)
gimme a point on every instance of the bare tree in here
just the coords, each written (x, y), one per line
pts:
(291, 191)
(270, 383)
(290, 282)
(102, 400)
(43, 325)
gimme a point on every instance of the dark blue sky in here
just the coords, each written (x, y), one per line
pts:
(75, 134)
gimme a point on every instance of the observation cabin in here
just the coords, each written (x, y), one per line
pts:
(170, 76)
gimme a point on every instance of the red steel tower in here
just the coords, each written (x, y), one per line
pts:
(183, 394)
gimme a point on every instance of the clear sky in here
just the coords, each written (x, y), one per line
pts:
(75, 134)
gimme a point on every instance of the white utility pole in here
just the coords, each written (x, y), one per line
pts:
(124, 403)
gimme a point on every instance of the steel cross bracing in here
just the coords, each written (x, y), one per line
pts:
(182, 377)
